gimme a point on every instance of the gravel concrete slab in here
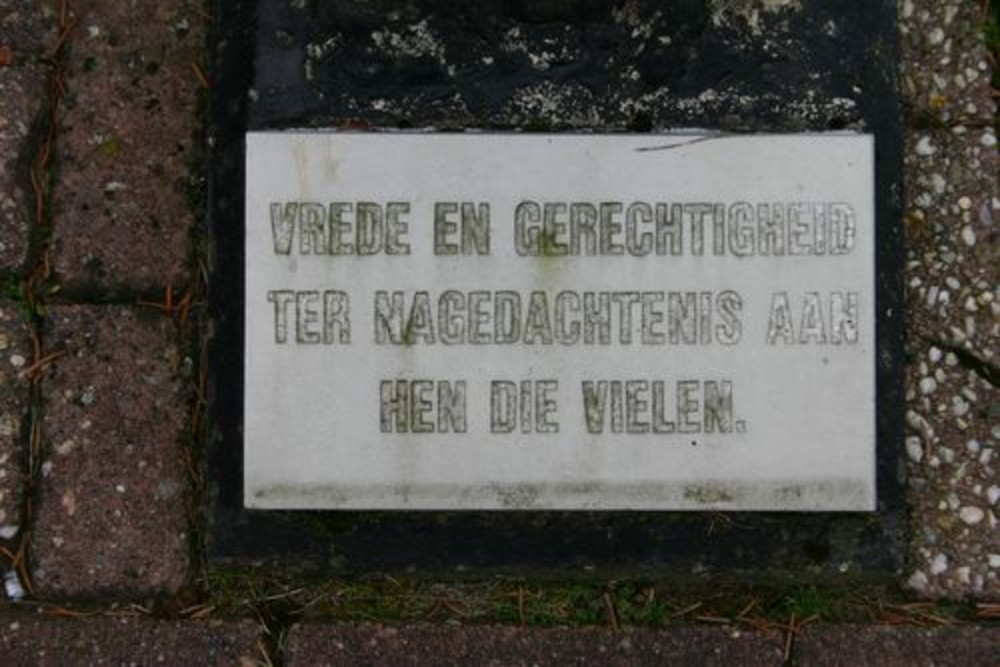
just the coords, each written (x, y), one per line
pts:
(953, 303)
(126, 143)
(851, 646)
(112, 510)
(22, 98)
(15, 356)
(316, 645)
(27, 28)
(946, 69)
(37, 641)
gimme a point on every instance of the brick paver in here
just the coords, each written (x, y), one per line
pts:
(35, 640)
(122, 216)
(27, 28)
(850, 646)
(22, 99)
(15, 356)
(342, 644)
(112, 512)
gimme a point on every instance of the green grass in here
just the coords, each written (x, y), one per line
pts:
(807, 601)
(13, 290)
(598, 603)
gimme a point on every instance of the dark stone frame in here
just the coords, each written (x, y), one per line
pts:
(737, 545)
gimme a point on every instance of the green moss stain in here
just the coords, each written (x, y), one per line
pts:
(807, 601)
(408, 336)
(548, 261)
(548, 246)
(14, 290)
(708, 494)
(110, 147)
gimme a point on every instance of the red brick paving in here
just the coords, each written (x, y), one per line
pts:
(27, 29)
(22, 98)
(15, 357)
(122, 219)
(851, 646)
(377, 645)
(112, 512)
(34, 640)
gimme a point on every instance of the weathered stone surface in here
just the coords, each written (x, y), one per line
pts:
(953, 304)
(40, 640)
(22, 97)
(899, 646)
(781, 443)
(494, 646)
(126, 140)
(112, 512)
(15, 356)
(27, 28)
(572, 63)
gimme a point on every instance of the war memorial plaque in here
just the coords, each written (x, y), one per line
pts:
(536, 321)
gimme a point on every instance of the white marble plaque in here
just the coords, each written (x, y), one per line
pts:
(528, 321)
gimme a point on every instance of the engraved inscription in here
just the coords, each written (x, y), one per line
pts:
(445, 317)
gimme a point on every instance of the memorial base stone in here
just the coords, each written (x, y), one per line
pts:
(556, 67)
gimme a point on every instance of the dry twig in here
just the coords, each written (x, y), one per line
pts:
(609, 605)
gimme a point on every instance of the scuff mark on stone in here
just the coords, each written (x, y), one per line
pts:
(690, 142)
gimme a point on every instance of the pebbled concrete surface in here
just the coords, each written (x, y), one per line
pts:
(946, 69)
(953, 301)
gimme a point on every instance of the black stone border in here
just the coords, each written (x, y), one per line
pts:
(744, 546)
